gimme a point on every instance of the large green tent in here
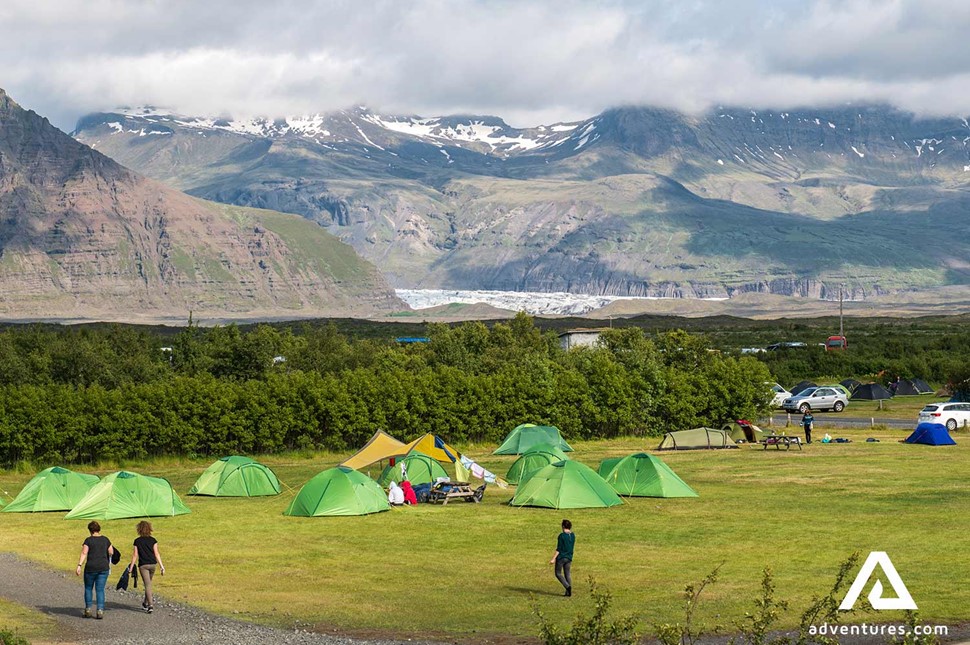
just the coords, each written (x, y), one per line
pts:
(607, 465)
(236, 477)
(126, 494)
(338, 491)
(528, 435)
(565, 484)
(53, 489)
(697, 439)
(643, 475)
(419, 469)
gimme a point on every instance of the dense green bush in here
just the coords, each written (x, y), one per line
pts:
(83, 395)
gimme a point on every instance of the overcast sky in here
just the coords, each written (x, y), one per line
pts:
(530, 61)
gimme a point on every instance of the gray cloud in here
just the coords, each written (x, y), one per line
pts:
(527, 60)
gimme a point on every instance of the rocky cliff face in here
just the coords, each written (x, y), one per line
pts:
(82, 236)
(634, 201)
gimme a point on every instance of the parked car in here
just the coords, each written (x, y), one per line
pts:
(836, 343)
(780, 394)
(816, 398)
(952, 415)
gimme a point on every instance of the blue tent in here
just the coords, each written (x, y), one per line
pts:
(932, 434)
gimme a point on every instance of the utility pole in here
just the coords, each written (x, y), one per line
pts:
(841, 328)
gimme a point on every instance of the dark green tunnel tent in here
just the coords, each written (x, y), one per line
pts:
(53, 489)
(339, 491)
(236, 477)
(565, 484)
(528, 435)
(643, 475)
(125, 494)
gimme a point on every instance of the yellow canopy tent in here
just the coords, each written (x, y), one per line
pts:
(380, 447)
(435, 447)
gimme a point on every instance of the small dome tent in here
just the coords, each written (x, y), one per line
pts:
(125, 494)
(744, 431)
(236, 477)
(931, 434)
(528, 463)
(53, 489)
(415, 467)
(528, 435)
(339, 491)
(697, 439)
(643, 475)
(565, 484)
(801, 386)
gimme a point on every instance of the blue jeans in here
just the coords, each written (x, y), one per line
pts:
(94, 582)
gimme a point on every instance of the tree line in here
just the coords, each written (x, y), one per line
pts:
(80, 395)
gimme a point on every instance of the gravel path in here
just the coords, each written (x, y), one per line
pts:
(59, 595)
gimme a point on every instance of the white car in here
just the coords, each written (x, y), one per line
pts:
(952, 415)
(816, 398)
(780, 394)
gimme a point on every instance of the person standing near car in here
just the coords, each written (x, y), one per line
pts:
(96, 555)
(563, 558)
(146, 557)
(807, 422)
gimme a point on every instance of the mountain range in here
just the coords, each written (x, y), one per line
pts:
(634, 201)
(82, 236)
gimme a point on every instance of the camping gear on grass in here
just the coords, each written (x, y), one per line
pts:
(528, 435)
(565, 484)
(338, 491)
(125, 494)
(643, 475)
(416, 468)
(871, 392)
(744, 431)
(53, 489)
(931, 434)
(697, 439)
(921, 386)
(236, 477)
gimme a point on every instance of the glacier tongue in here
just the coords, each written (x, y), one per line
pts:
(531, 302)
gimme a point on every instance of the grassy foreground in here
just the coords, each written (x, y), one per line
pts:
(470, 569)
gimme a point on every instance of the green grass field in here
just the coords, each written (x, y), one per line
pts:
(469, 570)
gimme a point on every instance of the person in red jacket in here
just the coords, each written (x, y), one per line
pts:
(409, 496)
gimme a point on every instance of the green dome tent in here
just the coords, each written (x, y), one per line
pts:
(421, 469)
(744, 432)
(643, 475)
(53, 489)
(565, 484)
(607, 465)
(697, 439)
(528, 435)
(125, 494)
(236, 477)
(528, 463)
(338, 491)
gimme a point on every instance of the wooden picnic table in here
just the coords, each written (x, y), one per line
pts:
(779, 440)
(444, 492)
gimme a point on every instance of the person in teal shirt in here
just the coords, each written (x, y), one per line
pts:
(563, 558)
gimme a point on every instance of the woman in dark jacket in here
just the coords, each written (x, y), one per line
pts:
(96, 555)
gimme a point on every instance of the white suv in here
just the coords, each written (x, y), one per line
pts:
(952, 415)
(816, 398)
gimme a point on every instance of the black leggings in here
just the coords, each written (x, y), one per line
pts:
(562, 572)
